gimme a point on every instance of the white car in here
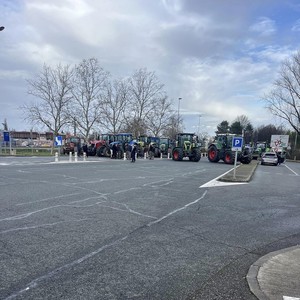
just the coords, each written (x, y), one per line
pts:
(269, 158)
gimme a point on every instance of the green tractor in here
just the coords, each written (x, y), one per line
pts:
(259, 148)
(186, 146)
(166, 145)
(220, 149)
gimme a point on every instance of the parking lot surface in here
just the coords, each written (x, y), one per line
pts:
(111, 229)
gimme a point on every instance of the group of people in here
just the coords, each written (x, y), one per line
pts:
(134, 150)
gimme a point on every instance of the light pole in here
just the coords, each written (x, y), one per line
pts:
(296, 133)
(179, 99)
(199, 125)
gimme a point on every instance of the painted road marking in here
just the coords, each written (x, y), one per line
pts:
(290, 298)
(215, 182)
(292, 172)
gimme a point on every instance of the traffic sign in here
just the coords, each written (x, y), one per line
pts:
(237, 143)
(58, 140)
(6, 137)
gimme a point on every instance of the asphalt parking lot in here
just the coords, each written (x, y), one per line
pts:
(111, 229)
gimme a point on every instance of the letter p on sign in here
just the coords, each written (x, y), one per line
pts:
(237, 144)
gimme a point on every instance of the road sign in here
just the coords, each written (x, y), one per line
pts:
(237, 143)
(58, 140)
(6, 136)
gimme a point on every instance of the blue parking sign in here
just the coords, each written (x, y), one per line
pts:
(237, 143)
(6, 136)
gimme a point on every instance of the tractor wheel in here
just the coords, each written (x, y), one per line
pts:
(106, 152)
(196, 154)
(212, 154)
(246, 160)
(177, 154)
(99, 152)
(228, 157)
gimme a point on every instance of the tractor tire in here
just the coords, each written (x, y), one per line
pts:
(157, 152)
(196, 154)
(229, 158)
(246, 160)
(106, 152)
(99, 152)
(177, 154)
(213, 155)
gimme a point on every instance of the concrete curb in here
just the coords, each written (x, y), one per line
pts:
(244, 173)
(254, 270)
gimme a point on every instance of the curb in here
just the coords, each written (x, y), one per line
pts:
(254, 270)
(244, 173)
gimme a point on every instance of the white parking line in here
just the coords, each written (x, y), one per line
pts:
(292, 170)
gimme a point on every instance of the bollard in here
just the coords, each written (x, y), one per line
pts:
(124, 157)
(168, 155)
(145, 155)
(70, 156)
(56, 156)
(75, 157)
(84, 156)
(161, 155)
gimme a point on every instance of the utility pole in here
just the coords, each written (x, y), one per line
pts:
(178, 118)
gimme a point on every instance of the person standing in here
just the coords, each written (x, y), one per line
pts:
(114, 151)
(85, 149)
(151, 151)
(133, 153)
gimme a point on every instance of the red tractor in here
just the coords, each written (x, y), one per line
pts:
(101, 147)
(72, 144)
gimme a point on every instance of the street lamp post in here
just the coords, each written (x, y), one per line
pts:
(179, 99)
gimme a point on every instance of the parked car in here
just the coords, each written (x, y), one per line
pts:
(269, 158)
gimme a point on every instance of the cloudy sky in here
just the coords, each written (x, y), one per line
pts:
(219, 56)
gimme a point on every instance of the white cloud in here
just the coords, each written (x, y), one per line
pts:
(296, 26)
(264, 26)
(219, 64)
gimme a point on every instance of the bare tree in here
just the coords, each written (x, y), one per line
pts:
(284, 99)
(5, 126)
(145, 92)
(244, 121)
(113, 104)
(52, 87)
(88, 82)
(159, 118)
(171, 130)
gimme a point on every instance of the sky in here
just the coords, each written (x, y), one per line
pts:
(219, 56)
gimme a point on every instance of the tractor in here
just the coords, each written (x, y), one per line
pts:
(165, 145)
(100, 146)
(144, 142)
(186, 145)
(220, 149)
(259, 148)
(155, 142)
(72, 144)
(121, 144)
